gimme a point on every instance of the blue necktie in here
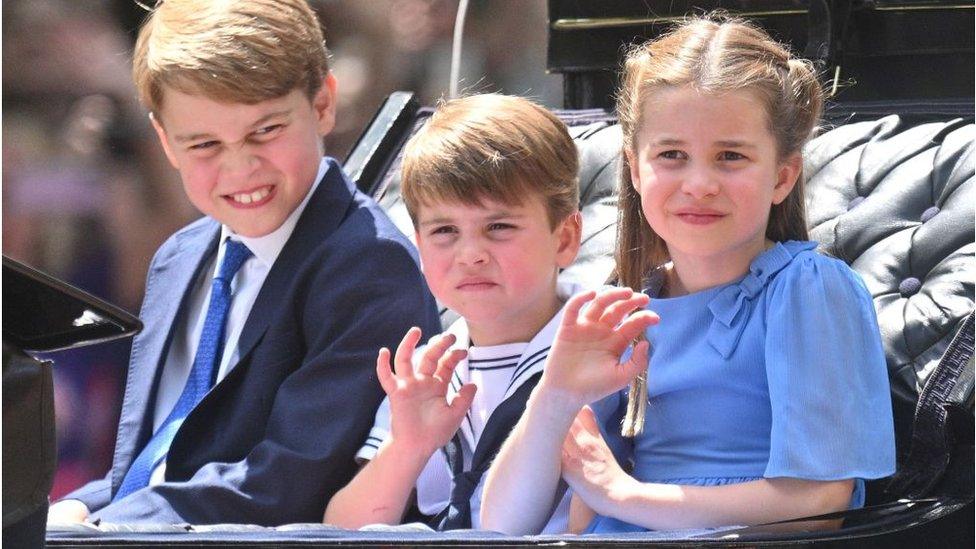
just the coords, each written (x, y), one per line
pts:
(204, 363)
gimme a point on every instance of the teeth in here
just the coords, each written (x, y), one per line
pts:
(247, 198)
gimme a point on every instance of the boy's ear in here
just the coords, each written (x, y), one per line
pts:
(324, 104)
(568, 234)
(787, 176)
(161, 133)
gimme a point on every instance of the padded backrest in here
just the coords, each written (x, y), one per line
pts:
(892, 198)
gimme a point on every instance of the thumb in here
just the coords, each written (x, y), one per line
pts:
(637, 362)
(463, 399)
(587, 420)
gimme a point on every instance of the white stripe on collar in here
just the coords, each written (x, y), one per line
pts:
(531, 362)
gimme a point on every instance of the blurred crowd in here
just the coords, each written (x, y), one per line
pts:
(88, 195)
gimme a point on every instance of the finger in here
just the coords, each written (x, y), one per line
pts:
(383, 371)
(637, 363)
(434, 352)
(447, 364)
(604, 299)
(616, 312)
(588, 422)
(404, 353)
(624, 373)
(635, 324)
(573, 306)
(462, 401)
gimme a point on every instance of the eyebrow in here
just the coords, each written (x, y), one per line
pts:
(729, 143)
(493, 217)
(256, 123)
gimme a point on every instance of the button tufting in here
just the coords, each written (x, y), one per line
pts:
(854, 202)
(909, 286)
(929, 213)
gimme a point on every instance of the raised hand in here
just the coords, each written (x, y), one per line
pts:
(588, 465)
(420, 416)
(584, 364)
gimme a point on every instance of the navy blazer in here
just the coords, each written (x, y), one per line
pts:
(274, 440)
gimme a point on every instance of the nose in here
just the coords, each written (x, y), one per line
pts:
(237, 165)
(471, 251)
(699, 182)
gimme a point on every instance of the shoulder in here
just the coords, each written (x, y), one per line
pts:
(354, 235)
(198, 233)
(812, 275)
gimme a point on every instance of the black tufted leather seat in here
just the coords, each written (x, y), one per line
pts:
(894, 199)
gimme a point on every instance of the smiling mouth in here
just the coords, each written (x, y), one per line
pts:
(251, 199)
(699, 218)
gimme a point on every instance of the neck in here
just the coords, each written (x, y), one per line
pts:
(523, 329)
(694, 273)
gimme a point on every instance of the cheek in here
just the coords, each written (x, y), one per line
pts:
(199, 179)
(434, 266)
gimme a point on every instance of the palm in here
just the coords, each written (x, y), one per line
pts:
(584, 362)
(420, 414)
(419, 411)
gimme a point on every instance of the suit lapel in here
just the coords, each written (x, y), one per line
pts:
(323, 213)
(170, 276)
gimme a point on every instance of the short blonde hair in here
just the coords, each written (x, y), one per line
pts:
(241, 51)
(492, 146)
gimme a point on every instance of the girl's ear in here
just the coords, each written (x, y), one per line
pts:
(632, 166)
(787, 176)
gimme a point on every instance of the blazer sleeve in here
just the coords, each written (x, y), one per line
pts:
(365, 296)
(95, 494)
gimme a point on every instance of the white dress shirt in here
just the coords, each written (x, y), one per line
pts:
(244, 291)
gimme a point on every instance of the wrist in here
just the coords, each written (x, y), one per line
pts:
(409, 453)
(618, 494)
(555, 403)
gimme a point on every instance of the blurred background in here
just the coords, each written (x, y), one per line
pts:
(88, 195)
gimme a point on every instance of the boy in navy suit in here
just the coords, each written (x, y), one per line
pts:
(250, 388)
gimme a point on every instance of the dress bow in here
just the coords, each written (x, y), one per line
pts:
(732, 306)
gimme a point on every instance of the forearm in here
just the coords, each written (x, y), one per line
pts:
(667, 506)
(379, 493)
(521, 485)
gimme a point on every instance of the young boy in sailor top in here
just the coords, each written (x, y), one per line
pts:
(490, 185)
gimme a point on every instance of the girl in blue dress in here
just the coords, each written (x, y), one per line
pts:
(762, 393)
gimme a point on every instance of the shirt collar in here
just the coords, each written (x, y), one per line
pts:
(266, 248)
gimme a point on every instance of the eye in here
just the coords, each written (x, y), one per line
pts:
(443, 230)
(203, 146)
(673, 155)
(495, 227)
(268, 131)
(730, 155)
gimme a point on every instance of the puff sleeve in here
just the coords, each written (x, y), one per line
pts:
(828, 383)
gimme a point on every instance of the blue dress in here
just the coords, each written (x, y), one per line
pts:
(778, 374)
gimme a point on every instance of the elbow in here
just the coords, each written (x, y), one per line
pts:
(492, 517)
(334, 514)
(832, 497)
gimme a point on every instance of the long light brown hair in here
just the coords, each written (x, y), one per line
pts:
(714, 54)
